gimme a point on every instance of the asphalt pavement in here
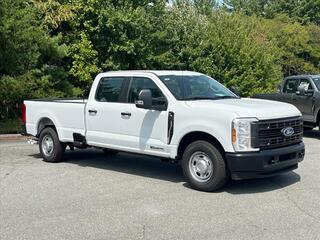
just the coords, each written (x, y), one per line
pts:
(94, 196)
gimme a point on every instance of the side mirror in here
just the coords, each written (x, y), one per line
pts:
(160, 104)
(235, 90)
(301, 90)
(144, 99)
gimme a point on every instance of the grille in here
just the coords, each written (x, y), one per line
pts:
(268, 134)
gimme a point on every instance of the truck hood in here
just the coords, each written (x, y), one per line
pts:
(248, 107)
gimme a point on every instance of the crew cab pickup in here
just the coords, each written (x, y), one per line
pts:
(302, 91)
(181, 115)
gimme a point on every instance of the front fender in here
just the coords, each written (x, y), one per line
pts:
(221, 132)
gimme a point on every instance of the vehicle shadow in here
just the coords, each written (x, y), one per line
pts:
(315, 133)
(152, 167)
(140, 165)
(262, 184)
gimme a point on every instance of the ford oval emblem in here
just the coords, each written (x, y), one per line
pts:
(287, 132)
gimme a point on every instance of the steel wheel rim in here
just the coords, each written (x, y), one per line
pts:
(47, 145)
(200, 166)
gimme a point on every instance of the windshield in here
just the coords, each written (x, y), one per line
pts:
(317, 82)
(195, 87)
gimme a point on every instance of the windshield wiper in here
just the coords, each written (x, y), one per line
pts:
(200, 98)
(224, 97)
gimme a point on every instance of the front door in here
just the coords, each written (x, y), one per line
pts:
(304, 102)
(145, 130)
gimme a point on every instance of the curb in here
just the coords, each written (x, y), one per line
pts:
(12, 137)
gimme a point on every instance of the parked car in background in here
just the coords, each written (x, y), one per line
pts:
(303, 91)
(181, 115)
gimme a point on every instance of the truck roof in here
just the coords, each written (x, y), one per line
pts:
(158, 72)
(304, 76)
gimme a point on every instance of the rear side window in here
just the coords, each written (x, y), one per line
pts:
(290, 86)
(109, 89)
(139, 83)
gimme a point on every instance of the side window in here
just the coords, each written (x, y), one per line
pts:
(139, 83)
(306, 83)
(109, 89)
(290, 86)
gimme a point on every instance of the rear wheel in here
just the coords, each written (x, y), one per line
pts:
(50, 147)
(203, 166)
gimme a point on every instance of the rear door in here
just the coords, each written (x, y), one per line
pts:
(104, 113)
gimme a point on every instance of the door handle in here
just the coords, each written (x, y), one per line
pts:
(126, 114)
(92, 111)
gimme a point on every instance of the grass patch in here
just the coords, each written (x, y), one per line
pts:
(8, 126)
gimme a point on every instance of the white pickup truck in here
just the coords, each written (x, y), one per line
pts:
(181, 115)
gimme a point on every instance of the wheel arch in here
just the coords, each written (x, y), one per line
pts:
(195, 136)
(43, 123)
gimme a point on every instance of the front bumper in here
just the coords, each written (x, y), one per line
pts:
(265, 163)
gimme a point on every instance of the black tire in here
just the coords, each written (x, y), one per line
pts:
(109, 151)
(218, 176)
(58, 148)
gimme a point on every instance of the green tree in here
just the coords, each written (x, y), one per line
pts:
(114, 35)
(237, 51)
(31, 61)
(54, 12)
(52, 48)
(184, 31)
(298, 44)
(304, 11)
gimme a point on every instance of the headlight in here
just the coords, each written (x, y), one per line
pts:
(241, 134)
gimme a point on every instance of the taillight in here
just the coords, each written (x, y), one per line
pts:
(24, 113)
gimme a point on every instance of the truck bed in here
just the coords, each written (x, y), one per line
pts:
(68, 116)
(60, 100)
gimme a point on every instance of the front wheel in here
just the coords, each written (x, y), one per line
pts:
(50, 147)
(204, 167)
